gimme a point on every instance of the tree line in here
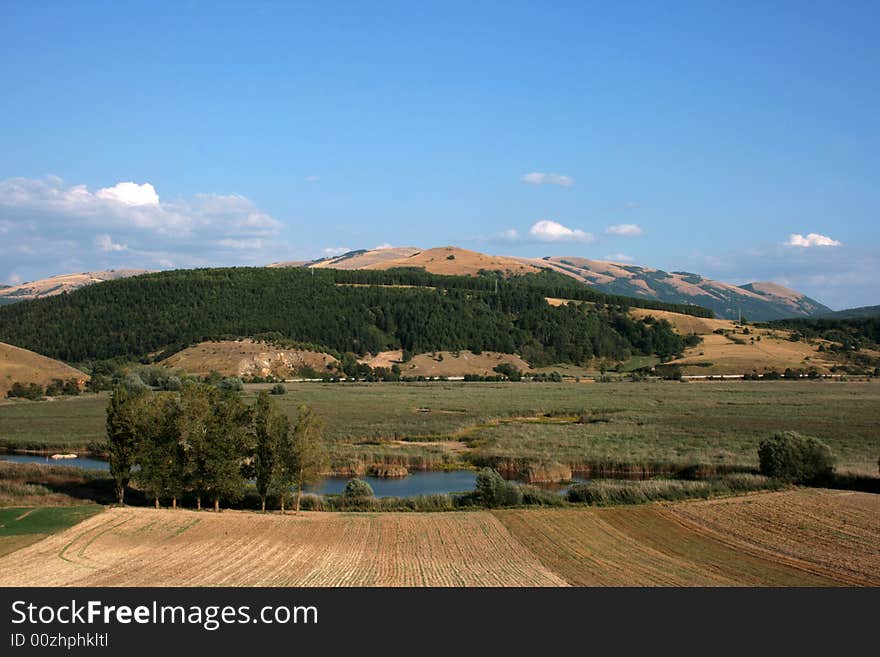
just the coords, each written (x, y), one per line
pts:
(152, 316)
(207, 443)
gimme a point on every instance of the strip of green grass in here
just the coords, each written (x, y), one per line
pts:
(18, 521)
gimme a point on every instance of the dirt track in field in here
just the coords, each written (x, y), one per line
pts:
(143, 547)
(792, 538)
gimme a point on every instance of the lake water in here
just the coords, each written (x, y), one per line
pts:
(82, 462)
(417, 483)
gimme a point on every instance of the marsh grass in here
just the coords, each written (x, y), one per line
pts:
(645, 423)
(614, 492)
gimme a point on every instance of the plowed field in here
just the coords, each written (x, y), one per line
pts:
(793, 538)
(143, 547)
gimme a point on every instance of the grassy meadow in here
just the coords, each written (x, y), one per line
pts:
(446, 424)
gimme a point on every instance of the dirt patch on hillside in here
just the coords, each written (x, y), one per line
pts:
(449, 363)
(721, 355)
(248, 358)
(685, 324)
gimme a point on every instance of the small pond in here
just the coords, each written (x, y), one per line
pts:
(417, 483)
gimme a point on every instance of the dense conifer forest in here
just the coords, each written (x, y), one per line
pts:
(153, 315)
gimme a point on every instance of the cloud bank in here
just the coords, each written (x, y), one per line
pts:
(51, 227)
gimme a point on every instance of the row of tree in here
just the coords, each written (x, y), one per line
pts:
(206, 442)
(35, 391)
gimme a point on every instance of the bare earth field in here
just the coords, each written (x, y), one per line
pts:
(800, 537)
(139, 547)
(793, 538)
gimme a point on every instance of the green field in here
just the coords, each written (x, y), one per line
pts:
(20, 526)
(717, 423)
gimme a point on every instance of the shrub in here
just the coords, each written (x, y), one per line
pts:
(134, 383)
(508, 370)
(232, 384)
(791, 457)
(31, 391)
(170, 382)
(357, 488)
(493, 490)
(278, 389)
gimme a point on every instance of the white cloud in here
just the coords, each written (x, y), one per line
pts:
(384, 246)
(106, 244)
(47, 224)
(552, 231)
(509, 235)
(333, 251)
(624, 230)
(812, 239)
(538, 178)
(252, 244)
(619, 257)
(130, 193)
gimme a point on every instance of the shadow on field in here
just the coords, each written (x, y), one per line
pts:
(858, 483)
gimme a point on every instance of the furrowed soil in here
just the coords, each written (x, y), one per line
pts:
(800, 537)
(793, 538)
(140, 547)
(835, 533)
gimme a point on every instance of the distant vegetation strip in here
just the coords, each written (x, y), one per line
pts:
(848, 332)
(154, 315)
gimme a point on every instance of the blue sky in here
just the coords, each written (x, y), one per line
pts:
(255, 132)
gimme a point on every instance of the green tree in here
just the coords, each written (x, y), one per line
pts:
(122, 421)
(272, 437)
(193, 427)
(158, 449)
(225, 448)
(306, 457)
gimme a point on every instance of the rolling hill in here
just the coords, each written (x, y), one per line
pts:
(156, 315)
(21, 365)
(453, 261)
(852, 313)
(757, 301)
(48, 287)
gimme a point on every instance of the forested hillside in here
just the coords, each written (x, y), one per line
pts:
(852, 333)
(358, 311)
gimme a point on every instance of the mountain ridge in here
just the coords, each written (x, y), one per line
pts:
(758, 300)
